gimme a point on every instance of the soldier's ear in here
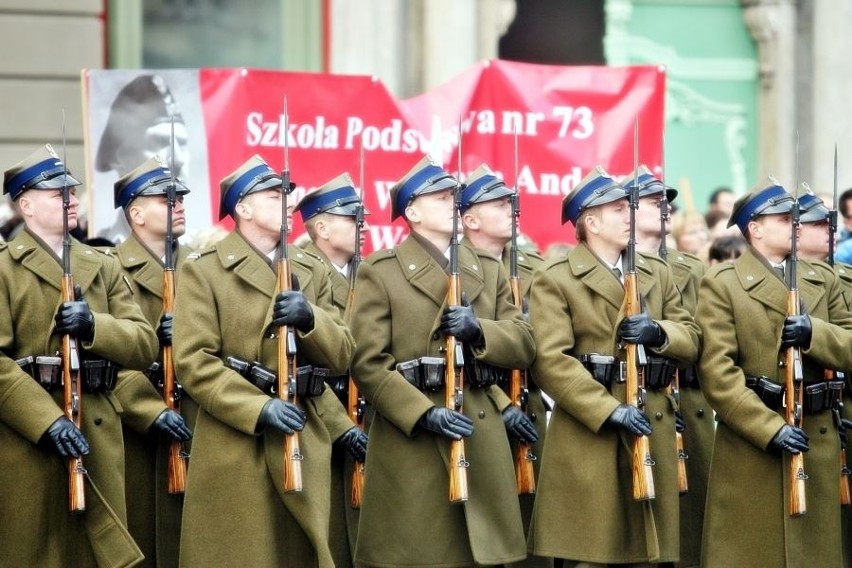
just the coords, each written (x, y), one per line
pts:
(412, 213)
(243, 210)
(470, 221)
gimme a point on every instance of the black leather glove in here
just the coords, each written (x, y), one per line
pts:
(790, 439)
(164, 332)
(65, 439)
(642, 330)
(281, 415)
(461, 322)
(631, 419)
(845, 424)
(445, 422)
(292, 308)
(355, 442)
(680, 423)
(173, 425)
(797, 331)
(519, 425)
(75, 318)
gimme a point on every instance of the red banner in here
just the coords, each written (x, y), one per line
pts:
(567, 120)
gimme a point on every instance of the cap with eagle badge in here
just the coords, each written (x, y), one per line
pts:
(40, 170)
(425, 177)
(150, 178)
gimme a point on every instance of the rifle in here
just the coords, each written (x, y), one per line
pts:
(171, 393)
(793, 373)
(287, 337)
(355, 404)
(643, 476)
(830, 374)
(454, 355)
(518, 390)
(674, 388)
(72, 402)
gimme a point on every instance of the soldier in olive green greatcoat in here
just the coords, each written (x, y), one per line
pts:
(400, 323)
(36, 438)
(742, 311)
(584, 510)
(236, 512)
(329, 215)
(487, 215)
(696, 414)
(153, 515)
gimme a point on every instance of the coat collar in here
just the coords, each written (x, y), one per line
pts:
(339, 283)
(424, 274)
(140, 263)
(588, 268)
(762, 285)
(34, 255)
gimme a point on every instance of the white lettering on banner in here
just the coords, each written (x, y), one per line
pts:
(523, 123)
(385, 236)
(392, 138)
(548, 183)
(575, 121)
(382, 189)
(318, 135)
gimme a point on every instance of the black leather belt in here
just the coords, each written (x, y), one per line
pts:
(97, 375)
(310, 380)
(607, 370)
(816, 397)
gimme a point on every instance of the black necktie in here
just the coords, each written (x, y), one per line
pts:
(617, 272)
(779, 270)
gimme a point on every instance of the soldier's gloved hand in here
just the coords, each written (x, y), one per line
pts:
(65, 439)
(631, 419)
(519, 425)
(461, 322)
(172, 424)
(845, 424)
(642, 330)
(164, 332)
(75, 318)
(355, 442)
(680, 423)
(797, 331)
(790, 439)
(445, 422)
(292, 308)
(281, 415)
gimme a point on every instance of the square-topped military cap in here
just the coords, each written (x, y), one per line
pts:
(40, 170)
(482, 185)
(153, 177)
(597, 188)
(771, 200)
(337, 197)
(812, 209)
(647, 183)
(252, 176)
(425, 177)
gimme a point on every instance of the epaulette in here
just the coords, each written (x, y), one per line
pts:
(313, 256)
(650, 258)
(380, 255)
(108, 251)
(195, 255)
(719, 269)
(548, 264)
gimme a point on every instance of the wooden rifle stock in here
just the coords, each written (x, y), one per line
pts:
(72, 404)
(643, 476)
(454, 361)
(177, 453)
(355, 408)
(682, 456)
(845, 472)
(793, 413)
(287, 387)
(518, 392)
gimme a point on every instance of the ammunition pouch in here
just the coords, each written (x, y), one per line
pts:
(689, 378)
(425, 373)
(481, 375)
(97, 375)
(771, 394)
(339, 385)
(157, 377)
(310, 380)
(816, 397)
(659, 373)
(605, 369)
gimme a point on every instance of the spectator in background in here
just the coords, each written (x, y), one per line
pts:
(726, 248)
(690, 231)
(722, 199)
(843, 252)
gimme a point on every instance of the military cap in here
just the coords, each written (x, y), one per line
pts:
(812, 209)
(337, 197)
(597, 188)
(648, 184)
(771, 200)
(482, 185)
(40, 170)
(143, 102)
(252, 176)
(425, 177)
(150, 178)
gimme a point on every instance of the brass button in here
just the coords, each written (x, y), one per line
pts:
(98, 421)
(482, 414)
(823, 430)
(700, 412)
(436, 336)
(533, 416)
(659, 416)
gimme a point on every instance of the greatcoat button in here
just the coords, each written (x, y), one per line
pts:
(700, 412)
(436, 336)
(482, 414)
(98, 421)
(659, 415)
(823, 430)
(533, 416)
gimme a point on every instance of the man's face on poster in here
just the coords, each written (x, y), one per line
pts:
(156, 140)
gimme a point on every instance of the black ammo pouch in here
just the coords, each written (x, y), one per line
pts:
(689, 378)
(821, 396)
(835, 394)
(97, 375)
(425, 373)
(339, 385)
(659, 373)
(772, 394)
(605, 369)
(481, 375)
(309, 379)
(46, 370)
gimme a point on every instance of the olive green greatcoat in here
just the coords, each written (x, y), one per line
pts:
(688, 270)
(343, 529)
(153, 516)
(406, 516)
(235, 510)
(584, 508)
(528, 263)
(741, 311)
(36, 527)
(844, 275)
